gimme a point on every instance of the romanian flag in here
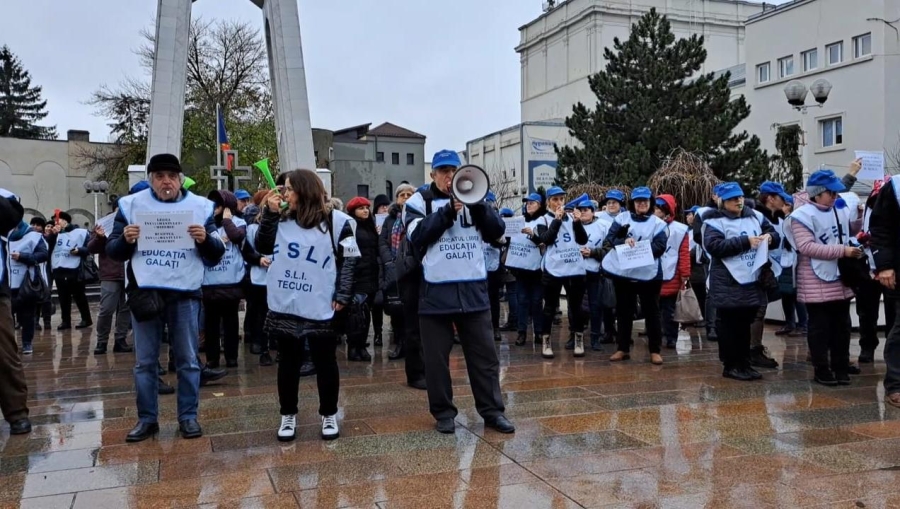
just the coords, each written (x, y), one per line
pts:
(222, 134)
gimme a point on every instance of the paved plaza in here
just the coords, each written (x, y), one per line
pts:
(590, 434)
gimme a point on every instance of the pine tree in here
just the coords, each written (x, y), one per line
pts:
(650, 101)
(20, 103)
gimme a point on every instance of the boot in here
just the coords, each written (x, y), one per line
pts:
(122, 347)
(399, 351)
(595, 343)
(546, 347)
(307, 368)
(520, 339)
(578, 351)
(101, 348)
(759, 358)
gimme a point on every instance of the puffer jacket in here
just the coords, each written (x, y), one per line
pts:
(724, 290)
(885, 236)
(683, 267)
(811, 289)
(368, 266)
(385, 254)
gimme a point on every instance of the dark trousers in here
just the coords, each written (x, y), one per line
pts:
(530, 297)
(794, 311)
(69, 290)
(868, 300)
(45, 310)
(829, 334)
(734, 335)
(553, 285)
(648, 292)
(255, 319)
(512, 302)
(710, 315)
(891, 354)
(495, 281)
(13, 390)
(413, 362)
(667, 314)
(758, 326)
(700, 292)
(224, 314)
(593, 283)
(328, 378)
(482, 363)
(377, 313)
(25, 318)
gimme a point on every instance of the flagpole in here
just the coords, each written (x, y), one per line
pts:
(218, 147)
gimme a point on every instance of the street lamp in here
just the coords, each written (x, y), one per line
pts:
(96, 188)
(796, 93)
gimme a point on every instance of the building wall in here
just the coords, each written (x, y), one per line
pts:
(560, 49)
(355, 164)
(861, 96)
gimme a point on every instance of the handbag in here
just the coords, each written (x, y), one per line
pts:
(607, 294)
(34, 289)
(687, 308)
(145, 304)
(88, 273)
(854, 271)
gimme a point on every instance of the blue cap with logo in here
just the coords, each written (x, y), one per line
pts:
(692, 210)
(716, 189)
(586, 204)
(615, 194)
(533, 197)
(491, 197)
(555, 191)
(140, 186)
(506, 212)
(826, 179)
(445, 158)
(729, 190)
(641, 193)
(770, 187)
(240, 194)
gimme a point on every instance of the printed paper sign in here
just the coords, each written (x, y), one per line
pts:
(165, 230)
(514, 225)
(379, 220)
(762, 256)
(107, 222)
(641, 255)
(872, 165)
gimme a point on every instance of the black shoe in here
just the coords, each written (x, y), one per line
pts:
(608, 338)
(84, 324)
(265, 359)
(497, 337)
(508, 326)
(737, 374)
(164, 388)
(101, 348)
(231, 363)
(122, 347)
(353, 354)
(209, 374)
(142, 432)
(866, 356)
(852, 370)
(307, 369)
(255, 349)
(759, 358)
(190, 428)
(364, 355)
(379, 341)
(842, 377)
(824, 376)
(712, 338)
(445, 426)
(754, 375)
(160, 371)
(520, 339)
(501, 424)
(20, 427)
(670, 344)
(399, 352)
(64, 326)
(570, 344)
(417, 384)
(37, 327)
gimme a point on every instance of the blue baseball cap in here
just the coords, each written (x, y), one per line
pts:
(586, 204)
(491, 197)
(717, 189)
(615, 194)
(533, 197)
(240, 194)
(555, 191)
(423, 188)
(692, 210)
(445, 158)
(661, 203)
(826, 179)
(641, 193)
(770, 187)
(506, 212)
(140, 186)
(729, 190)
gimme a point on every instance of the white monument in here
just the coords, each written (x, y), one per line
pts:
(288, 80)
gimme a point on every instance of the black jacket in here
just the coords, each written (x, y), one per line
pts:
(450, 298)
(368, 265)
(885, 234)
(11, 213)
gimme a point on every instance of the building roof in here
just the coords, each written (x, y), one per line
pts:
(738, 74)
(357, 131)
(389, 130)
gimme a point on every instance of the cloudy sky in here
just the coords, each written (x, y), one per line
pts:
(452, 77)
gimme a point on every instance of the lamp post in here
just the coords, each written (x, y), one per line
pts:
(96, 188)
(796, 93)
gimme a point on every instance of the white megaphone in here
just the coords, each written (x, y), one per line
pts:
(470, 184)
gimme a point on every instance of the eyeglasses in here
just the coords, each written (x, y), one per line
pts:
(405, 195)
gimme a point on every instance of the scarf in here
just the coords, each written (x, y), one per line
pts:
(397, 234)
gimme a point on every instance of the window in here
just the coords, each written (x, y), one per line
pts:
(785, 66)
(379, 157)
(862, 45)
(362, 190)
(762, 73)
(410, 159)
(389, 188)
(835, 53)
(832, 132)
(810, 60)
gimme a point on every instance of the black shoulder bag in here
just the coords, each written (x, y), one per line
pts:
(854, 271)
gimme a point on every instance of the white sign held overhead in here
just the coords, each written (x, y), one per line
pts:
(872, 164)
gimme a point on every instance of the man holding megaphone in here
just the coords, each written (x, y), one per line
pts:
(447, 224)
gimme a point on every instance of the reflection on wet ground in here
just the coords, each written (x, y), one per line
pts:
(590, 434)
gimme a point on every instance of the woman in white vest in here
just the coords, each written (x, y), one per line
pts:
(563, 267)
(523, 259)
(313, 255)
(592, 252)
(821, 234)
(492, 251)
(731, 235)
(676, 265)
(27, 254)
(67, 253)
(255, 292)
(614, 202)
(635, 272)
(222, 283)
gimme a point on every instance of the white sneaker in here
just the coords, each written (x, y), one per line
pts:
(288, 429)
(546, 347)
(330, 429)
(579, 345)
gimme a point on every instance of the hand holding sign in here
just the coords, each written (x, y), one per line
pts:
(633, 255)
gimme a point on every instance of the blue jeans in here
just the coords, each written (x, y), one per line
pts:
(182, 317)
(529, 293)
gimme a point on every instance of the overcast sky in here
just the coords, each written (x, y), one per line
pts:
(451, 77)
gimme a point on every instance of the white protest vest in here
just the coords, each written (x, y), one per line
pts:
(301, 280)
(609, 218)
(824, 228)
(257, 273)
(523, 253)
(167, 269)
(456, 257)
(65, 242)
(17, 270)
(638, 230)
(491, 257)
(230, 269)
(563, 258)
(669, 259)
(739, 266)
(596, 231)
(867, 217)
(3, 240)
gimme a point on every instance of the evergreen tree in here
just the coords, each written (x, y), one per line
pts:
(650, 101)
(20, 103)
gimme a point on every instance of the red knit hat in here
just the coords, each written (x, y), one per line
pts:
(358, 202)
